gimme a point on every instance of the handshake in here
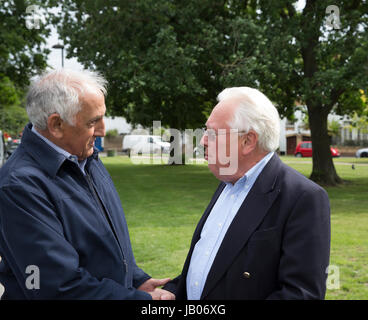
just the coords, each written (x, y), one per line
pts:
(151, 287)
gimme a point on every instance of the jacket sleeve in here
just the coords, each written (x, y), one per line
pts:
(306, 249)
(32, 235)
(139, 276)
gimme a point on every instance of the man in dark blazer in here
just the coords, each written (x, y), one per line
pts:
(266, 231)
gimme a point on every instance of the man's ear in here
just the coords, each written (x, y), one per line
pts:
(249, 142)
(55, 125)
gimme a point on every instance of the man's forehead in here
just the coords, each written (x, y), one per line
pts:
(222, 113)
(93, 105)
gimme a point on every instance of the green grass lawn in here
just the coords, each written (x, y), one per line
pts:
(164, 203)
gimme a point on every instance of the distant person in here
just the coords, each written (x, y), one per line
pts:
(266, 232)
(63, 233)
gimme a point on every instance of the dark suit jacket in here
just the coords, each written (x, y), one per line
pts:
(277, 246)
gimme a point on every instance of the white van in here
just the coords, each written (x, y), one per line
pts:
(2, 149)
(144, 144)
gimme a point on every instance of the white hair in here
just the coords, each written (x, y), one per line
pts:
(60, 91)
(255, 112)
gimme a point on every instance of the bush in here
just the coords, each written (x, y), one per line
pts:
(355, 143)
(111, 153)
(112, 133)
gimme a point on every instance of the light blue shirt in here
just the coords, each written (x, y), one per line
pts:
(67, 155)
(216, 226)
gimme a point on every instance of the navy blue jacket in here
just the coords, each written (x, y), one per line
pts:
(52, 218)
(278, 245)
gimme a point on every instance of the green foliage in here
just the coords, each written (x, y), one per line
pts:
(164, 59)
(334, 127)
(22, 54)
(13, 119)
(166, 55)
(112, 133)
(359, 119)
(168, 59)
(8, 93)
(355, 143)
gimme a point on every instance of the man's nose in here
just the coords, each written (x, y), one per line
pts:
(100, 130)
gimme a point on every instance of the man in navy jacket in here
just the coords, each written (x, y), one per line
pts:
(63, 233)
(266, 231)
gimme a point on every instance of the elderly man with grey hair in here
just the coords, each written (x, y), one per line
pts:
(266, 231)
(63, 233)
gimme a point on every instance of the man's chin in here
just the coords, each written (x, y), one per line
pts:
(86, 154)
(221, 173)
(214, 169)
(90, 152)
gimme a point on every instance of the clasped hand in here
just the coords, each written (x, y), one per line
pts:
(151, 287)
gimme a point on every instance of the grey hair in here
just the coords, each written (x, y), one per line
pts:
(60, 91)
(255, 112)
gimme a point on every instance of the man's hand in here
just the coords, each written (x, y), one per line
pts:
(150, 286)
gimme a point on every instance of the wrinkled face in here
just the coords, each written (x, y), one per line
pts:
(79, 139)
(222, 145)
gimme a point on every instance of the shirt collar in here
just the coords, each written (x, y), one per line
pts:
(43, 151)
(65, 153)
(51, 144)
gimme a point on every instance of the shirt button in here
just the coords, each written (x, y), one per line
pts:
(196, 283)
(220, 224)
(232, 196)
(207, 253)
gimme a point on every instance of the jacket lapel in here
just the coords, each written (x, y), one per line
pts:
(182, 290)
(198, 230)
(248, 218)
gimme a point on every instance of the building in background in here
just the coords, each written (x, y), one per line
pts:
(345, 136)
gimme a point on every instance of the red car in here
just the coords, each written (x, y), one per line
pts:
(304, 149)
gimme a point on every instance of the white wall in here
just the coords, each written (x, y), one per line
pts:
(118, 123)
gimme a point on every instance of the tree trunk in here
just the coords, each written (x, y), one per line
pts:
(176, 155)
(324, 172)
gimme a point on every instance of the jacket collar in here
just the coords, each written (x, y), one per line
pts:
(47, 157)
(250, 215)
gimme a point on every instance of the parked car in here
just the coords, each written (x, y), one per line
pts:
(304, 149)
(144, 144)
(362, 153)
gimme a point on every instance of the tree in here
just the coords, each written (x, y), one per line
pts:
(168, 59)
(22, 56)
(150, 72)
(12, 116)
(162, 58)
(303, 59)
(359, 119)
(14, 119)
(334, 68)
